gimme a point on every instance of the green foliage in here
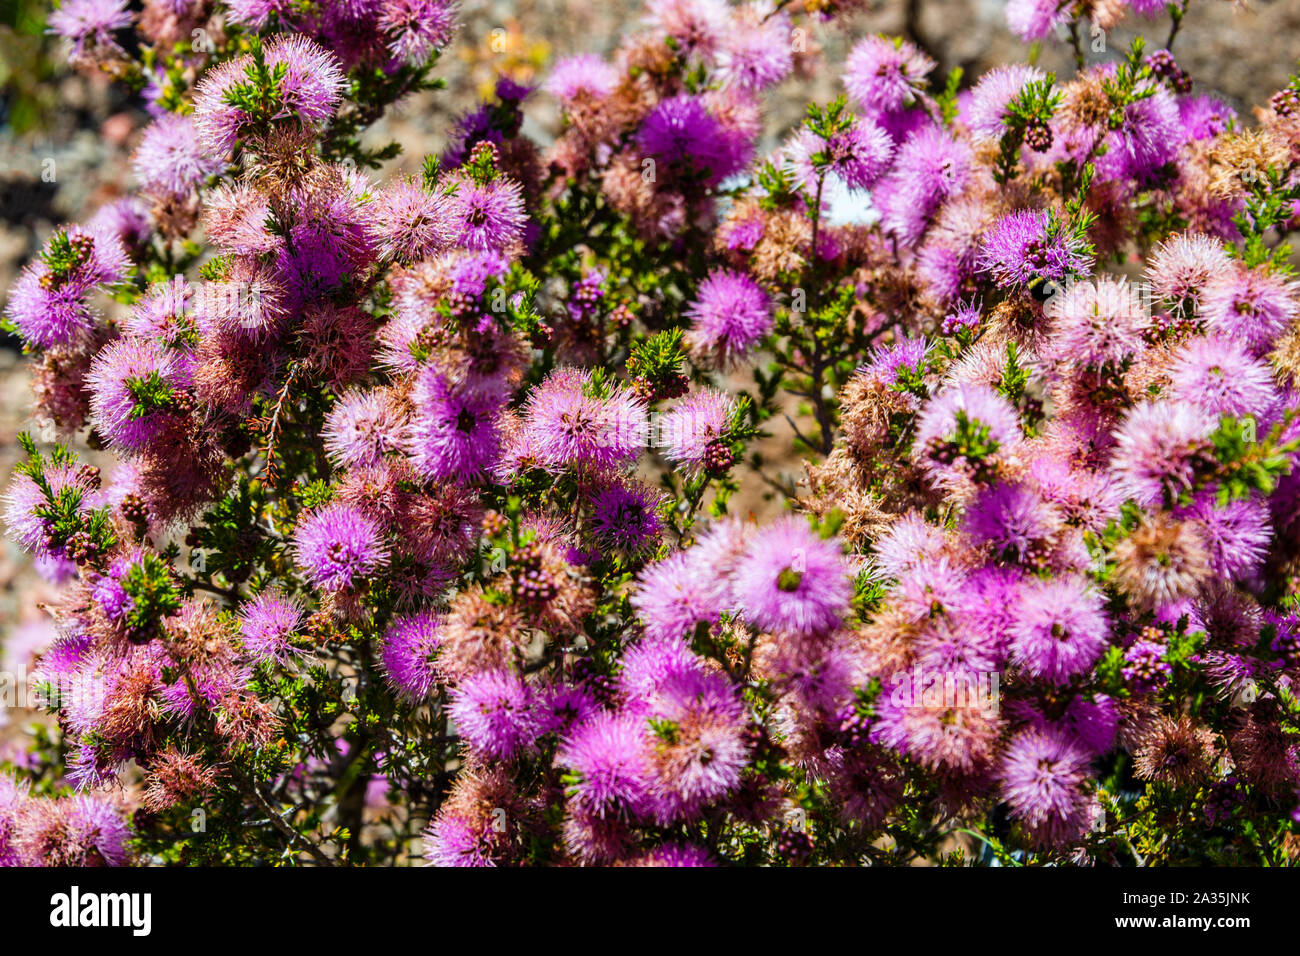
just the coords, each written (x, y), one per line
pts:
(234, 539)
(947, 100)
(260, 94)
(154, 594)
(1246, 464)
(1269, 204)
(69, 524)
(777, 184)
(655, 365)
(150, 394)
(1027, 116)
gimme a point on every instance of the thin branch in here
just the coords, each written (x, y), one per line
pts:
(277, 821)
(250, 786)
(1075, 41)
(230, 594)
(1176, 15)
(797, 433)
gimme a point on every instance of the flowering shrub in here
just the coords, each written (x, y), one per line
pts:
(421, 521)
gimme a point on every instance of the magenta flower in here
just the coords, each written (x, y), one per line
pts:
(938, 719)
(416, 29)
(1043, 776)
(452, 841)
(63, 659)
(472, 272)
(931, 588)
(609, 759)
(699, 747)
(1024, 247)
(362, 428)
(561, 707)
(410, 223)
(107, 591)
(887, 360)
(1092, 723)
(1223, 378)
(125, 219)
(256, 13)
(328, 243)
(312, 84)
(681, 133)
(884, 76)
(1183, 265)
(24, 498)
(729, 316)
(50, 310)
(790, 580)
(93, 767)
(1248, 306)
(169, 163)
(569, 423)
(163, 314)
(676, 854)
(12, 797)
(97, 826)
(308, 90)
(1097, 323)
(452, 433)
(818, 677)
(1237, 535)
(673, 597)
(691, 431)
(626, 517)
(336, 546)
(1014, 521)
(858, 156)
(485, 217)
(964, 645)
(583, 75)
(698, 26)
(861, 154)
(1146, 140)
(134, 386)
(993, 95)
(107, 261)
(1035, 19)
(755, 56)
(1204, 116)
(1159, 446)
(1060, 628)
(493, 711)
(650, 664)
(909, 541)
(90, 24)
(1145, 669)
(267, 625)
(408, 655)
(54, 570)
(958, 411)
(47, 316)
(419, 405)
(1151, 8)
(929, 168)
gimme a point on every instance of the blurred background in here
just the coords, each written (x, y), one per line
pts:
(88, 128)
